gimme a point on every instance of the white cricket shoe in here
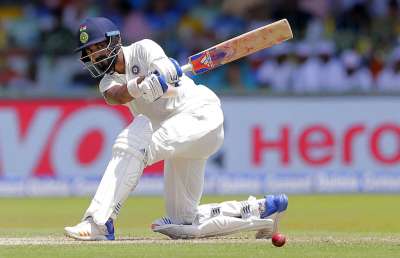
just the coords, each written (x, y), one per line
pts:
(160, 223)
(88, 230)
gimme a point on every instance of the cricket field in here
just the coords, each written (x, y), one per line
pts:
(315, 226)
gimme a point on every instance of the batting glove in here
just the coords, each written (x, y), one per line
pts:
(169, 68)
(153, 87)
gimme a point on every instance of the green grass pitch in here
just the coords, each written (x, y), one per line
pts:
(315, 226)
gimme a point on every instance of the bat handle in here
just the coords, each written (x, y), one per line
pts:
(277, 217)
(187, 68)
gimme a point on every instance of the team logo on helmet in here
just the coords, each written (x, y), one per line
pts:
(83, 37)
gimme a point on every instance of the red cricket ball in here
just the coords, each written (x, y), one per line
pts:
(278, 239)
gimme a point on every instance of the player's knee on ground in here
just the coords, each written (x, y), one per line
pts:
(216, 226)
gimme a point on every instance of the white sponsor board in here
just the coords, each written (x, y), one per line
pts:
(294, 145)
(271, 135)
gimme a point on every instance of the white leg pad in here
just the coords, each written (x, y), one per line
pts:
(216, 226)
(239, 209)
(123, 171)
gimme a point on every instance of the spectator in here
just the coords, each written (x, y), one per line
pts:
(389, 79)
(3, 35)
(357, 78)
(291, 10)
(329, 70)
(238, 77)
(42, 30)
(304, 79)
(135, 26)
(77, 10)
(235, 77)
(275, 72)
(56, 66)
(162, 16)
(26, 79)
(7, 73)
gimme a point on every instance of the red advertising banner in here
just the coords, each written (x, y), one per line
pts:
(59, 137)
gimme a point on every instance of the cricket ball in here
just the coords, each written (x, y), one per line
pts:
(278, 239)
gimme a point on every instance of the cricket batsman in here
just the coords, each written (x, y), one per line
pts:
(175, 120)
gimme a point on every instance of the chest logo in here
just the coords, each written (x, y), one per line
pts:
(135, 69)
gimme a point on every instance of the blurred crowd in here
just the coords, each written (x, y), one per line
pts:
(340, 46)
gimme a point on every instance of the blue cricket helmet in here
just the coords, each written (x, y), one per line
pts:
(94, 30)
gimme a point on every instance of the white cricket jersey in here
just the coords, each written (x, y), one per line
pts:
(138, 57)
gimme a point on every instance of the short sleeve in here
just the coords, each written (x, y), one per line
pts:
(149, 51)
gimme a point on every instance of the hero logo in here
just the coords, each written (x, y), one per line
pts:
(65, 138)
(318, 145)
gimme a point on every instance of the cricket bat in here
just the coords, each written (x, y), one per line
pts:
(240, 46)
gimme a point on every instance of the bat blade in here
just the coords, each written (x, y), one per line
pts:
(240, 46)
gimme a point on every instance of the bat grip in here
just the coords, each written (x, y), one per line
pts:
(277, 218)
(187, 68)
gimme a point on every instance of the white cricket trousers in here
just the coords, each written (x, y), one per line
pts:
(184, 142)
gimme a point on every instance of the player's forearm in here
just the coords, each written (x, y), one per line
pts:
(121, 94)
(117, 95)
